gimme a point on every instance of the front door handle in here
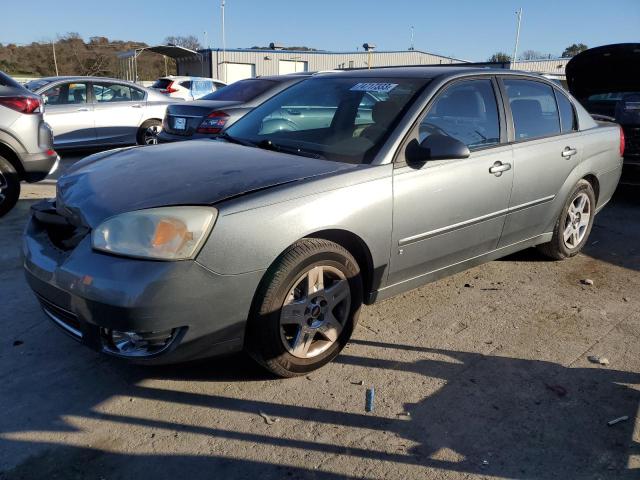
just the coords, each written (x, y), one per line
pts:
(82, 110)
(499, 167)
(569, 152)
(137, 105)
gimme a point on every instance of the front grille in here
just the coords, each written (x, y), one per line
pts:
(65, 319)
(62, 233)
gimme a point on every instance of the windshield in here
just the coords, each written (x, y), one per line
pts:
(242, 90)
(342, 119)
(34, 85)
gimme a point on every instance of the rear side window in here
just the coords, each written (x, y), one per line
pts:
(466, 111)
(185, 84)
(567, 115)
(111, 92)
(242, 90)
(533, 107)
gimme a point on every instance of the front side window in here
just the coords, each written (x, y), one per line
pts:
(66, 94)
(533, 107)
(111, 92)
(567, 115)
(466, 111)
(339, 118)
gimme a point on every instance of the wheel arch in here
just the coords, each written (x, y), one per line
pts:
(357, 247)
(12, 157)
(595, 184)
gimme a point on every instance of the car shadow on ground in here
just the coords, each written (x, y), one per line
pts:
(494, 415)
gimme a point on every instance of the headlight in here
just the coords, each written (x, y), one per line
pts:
(168, 233)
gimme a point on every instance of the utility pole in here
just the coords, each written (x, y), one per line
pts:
(55, 61)
(515, 50)
(224, 43)
(412, 35)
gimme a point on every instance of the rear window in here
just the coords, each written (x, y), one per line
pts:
(242, 90)
(7, 81)
(162, 83)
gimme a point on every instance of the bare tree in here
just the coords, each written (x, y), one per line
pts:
(191, 42)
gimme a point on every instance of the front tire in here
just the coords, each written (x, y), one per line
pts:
(574, 224)
(305, 309)
(148, 132)
(9, 186)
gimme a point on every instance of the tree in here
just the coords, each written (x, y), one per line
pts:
(499, 57)
(531, 55)
(191, 42)
(573, 50)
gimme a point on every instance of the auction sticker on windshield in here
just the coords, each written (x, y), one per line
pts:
(373, 87)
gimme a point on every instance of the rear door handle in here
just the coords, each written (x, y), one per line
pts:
(137, 105)
(569, 152)
(82, 110)
(499, 167)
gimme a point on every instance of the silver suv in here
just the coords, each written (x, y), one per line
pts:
(26, 141)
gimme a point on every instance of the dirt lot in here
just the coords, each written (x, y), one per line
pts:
(484, 374)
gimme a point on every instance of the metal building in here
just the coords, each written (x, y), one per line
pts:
(236, 64)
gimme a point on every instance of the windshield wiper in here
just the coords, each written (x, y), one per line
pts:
(269, 145)
(230, 139)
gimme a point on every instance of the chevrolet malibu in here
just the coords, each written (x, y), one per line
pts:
(270, 238)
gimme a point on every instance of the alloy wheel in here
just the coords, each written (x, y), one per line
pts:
(151, 135)
(576, 222)
(315, 311)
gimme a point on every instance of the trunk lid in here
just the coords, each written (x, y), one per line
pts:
(185, 118)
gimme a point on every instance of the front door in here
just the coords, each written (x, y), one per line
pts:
(546, 148)
(448, 211)
(118, 111)
(69, 114)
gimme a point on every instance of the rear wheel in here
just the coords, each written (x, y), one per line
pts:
(148, 132)
(306, 308)
(574, 224)
(9, 186)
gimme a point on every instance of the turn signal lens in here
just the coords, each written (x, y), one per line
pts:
(622, 142)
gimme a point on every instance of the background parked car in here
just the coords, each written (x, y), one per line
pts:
(96, 111)
(606, 80)
(210, 115)
(26, 141)
(187, 88)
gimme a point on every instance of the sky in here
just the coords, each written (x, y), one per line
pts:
(465, 29)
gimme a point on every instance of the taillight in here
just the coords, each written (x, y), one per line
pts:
(622, 142)
(21, 104)
(169, 89)
(214, 123)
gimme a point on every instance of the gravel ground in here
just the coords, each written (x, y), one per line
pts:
(481, 375)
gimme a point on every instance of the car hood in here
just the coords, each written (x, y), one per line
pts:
(199, 172)
(610, 68)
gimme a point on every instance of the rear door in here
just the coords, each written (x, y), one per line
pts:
(119, 109)
(546, 148)
(70, 114)
(448, 211)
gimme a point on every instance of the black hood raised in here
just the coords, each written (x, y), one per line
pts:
(609, 68)
(198, 172)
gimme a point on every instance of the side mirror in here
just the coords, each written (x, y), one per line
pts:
(436, 147)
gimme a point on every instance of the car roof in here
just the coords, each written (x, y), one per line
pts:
(425, 72)
(85, 78)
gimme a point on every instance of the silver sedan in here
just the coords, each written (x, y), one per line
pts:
(272, 237)
(97, 111)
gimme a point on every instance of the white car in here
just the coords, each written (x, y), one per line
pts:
(187, 88)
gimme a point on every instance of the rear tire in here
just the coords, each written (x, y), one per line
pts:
(305, 309)
(574, 224)
(148, 132)
(9, 186)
